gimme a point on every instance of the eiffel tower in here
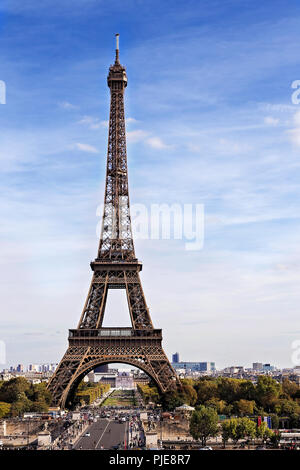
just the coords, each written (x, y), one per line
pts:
(116, 267)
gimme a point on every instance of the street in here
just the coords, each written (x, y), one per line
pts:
(104, 434)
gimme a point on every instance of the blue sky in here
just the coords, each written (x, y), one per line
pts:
(210, 121)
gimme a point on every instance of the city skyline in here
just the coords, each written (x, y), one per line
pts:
(51, 364)
(210, 120)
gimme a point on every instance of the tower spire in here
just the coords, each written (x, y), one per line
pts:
(117, 61)
(116, 240)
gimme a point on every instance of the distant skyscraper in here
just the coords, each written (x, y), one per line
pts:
(20, 368)
(175, 357)
(257, 366)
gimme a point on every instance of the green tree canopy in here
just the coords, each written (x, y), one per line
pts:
(263, 432)
(206, 389)
(229, 389)
(267, 391)
(229, 430)
(204, 424)
(12, 389)
(247, 390)
(4, 409)
(289, 388)
(188, 394)
(246, 428)
(219, 405)
(23, 396)
(244, 407)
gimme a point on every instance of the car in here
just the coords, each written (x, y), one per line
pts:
(205, 448)
(87, 434)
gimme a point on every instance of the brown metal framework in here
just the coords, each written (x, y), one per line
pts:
(116, 267)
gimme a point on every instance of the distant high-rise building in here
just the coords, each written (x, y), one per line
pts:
(207, 366)
(20, 368)
(257, 366)
(175, 357)
(195, 366)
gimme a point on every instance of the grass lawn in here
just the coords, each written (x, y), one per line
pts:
(120, 398)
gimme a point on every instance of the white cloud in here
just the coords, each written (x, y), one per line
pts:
(93, 123)
(142, 136)
(136, 136)
(86, 148)
(294, 134)
(131, 120)
(296, 118)
(67, 105)
(157, 143)
(230, 147)
(271, 121)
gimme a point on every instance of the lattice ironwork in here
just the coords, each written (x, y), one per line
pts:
(115, 267)
(144, 353)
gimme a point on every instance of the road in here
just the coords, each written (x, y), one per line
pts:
(104, 434)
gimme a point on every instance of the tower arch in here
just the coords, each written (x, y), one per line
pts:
(77, 378)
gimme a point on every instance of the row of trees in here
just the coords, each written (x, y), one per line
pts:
(267, 394)
(239, 397)
(244, 428)
(88, 392)
(18, 396)
(204, 424)
(149, 393)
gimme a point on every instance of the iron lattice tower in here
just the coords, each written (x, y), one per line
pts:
(116, 267)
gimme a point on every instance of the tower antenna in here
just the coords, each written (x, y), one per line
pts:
(117, 49)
